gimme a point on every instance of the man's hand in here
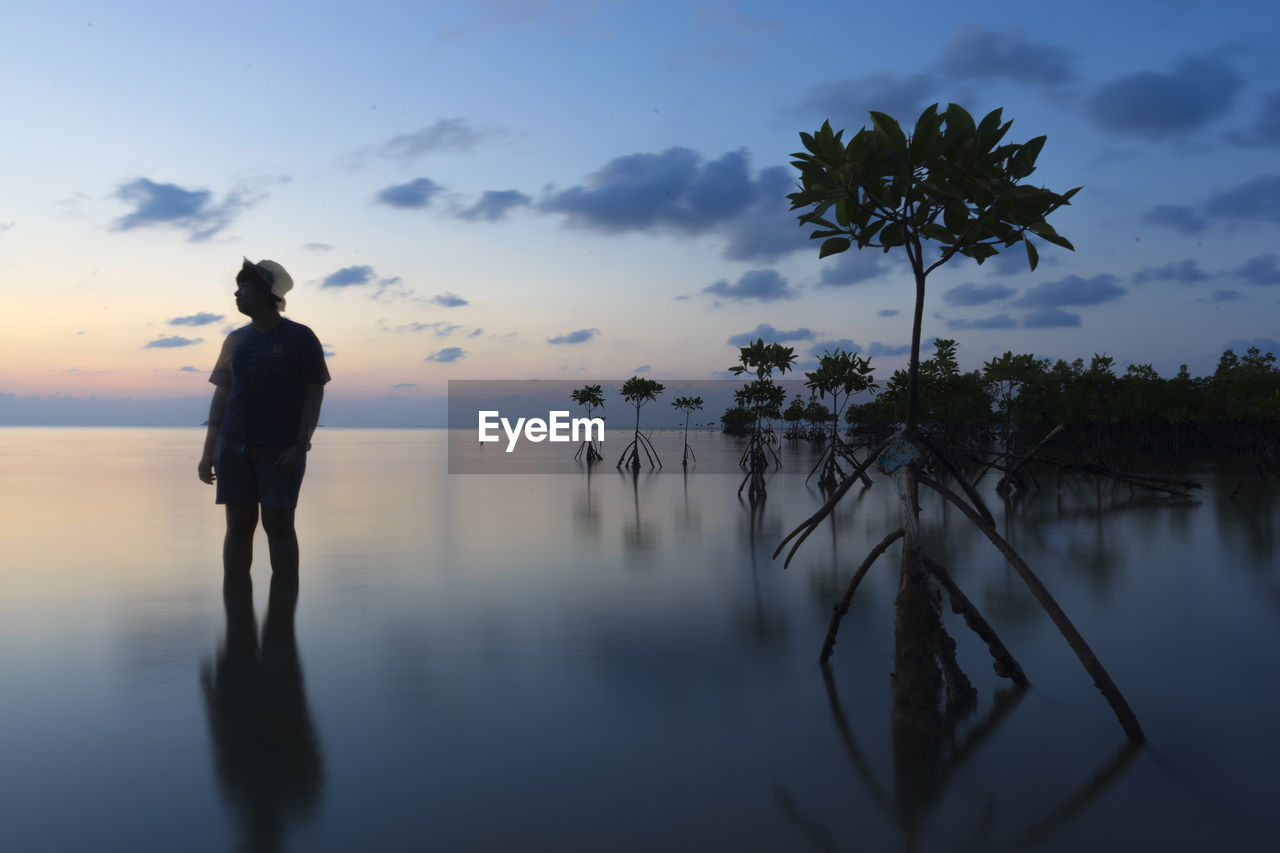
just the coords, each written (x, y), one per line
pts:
(205, 470)
(292, 460)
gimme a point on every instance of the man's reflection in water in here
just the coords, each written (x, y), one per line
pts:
(265, 748)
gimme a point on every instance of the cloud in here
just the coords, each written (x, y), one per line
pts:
(1242, 345)
(1183, 272)
(674, 190)
(475, 333)
(447, 355)
(201, 319)
(186, 368)
(888, 312)
(317, 247)
(327, 350)
(384, 289)
(448, 300)
(644, 368)
(440, 328)
(350, 277)
(1050, 318)
(1155, 105)
(1225, 296)
(580, 336)
(679, 192)
(167, 341)
(415, 195)
(831, 346)
(768, 229)
(1256, 200)
(1265, 132)
(405, 385)
(977, 53)
(494, 205)
(999, 321)
(977, 294)
(1013, 261)
(1072, 290)
(854, 267)
(846, 102)
(444, 134)
(1179, 217)
(190, 210)
(1260, 269)
(764, 285)
(878, 349)
(770, 335)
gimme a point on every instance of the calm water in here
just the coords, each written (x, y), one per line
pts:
(563, 663)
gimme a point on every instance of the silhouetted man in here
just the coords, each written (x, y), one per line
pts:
(269, 382)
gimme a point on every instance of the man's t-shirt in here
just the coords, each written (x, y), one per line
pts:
(266, 372)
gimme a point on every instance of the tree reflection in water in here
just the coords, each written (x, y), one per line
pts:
(923, 765)
(265, 748)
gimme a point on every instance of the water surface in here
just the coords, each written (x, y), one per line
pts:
(581, 663)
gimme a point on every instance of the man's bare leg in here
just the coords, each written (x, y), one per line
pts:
(282, 540)
(237, 545)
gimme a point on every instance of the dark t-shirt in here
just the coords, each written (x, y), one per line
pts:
(266, 372)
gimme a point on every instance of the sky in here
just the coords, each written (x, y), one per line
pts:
(514, 189)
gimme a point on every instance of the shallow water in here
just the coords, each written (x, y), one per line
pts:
(549, 662)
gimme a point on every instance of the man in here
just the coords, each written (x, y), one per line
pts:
(269, 382)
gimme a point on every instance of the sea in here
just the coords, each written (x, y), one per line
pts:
(595, 659)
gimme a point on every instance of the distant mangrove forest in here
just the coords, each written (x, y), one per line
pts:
(1094, 408)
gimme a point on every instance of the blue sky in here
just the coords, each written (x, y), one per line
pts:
(553, 190)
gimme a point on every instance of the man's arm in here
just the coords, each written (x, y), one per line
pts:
(291, 460)
(217, 407)
(312, 397)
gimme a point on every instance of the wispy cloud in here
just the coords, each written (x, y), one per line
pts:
(580, 336)
(763, 285)
(447, 355)
(769, 334)
(201, 319)
(447, 134)
(977, 294)
(191, 210)
(1072, 290)
(415, 194)
(448, 300)
(167, 341)
(494, 205)
(386, 289)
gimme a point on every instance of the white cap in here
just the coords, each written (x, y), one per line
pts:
(275, 275)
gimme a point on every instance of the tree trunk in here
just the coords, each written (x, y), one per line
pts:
(917, 679)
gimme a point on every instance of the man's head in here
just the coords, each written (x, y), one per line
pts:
(265, 282)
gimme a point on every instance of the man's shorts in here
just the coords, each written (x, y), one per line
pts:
(246, 473)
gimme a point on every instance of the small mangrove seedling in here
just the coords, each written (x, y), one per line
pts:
(637, 392)
(589, 397)
(839, 375)
(688, 405)
(954, 184)
(763, 400)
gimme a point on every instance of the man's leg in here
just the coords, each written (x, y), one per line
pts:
(237, 545)
(282, 540)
